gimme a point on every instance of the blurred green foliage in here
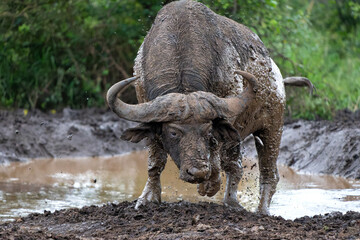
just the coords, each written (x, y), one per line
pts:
(67, 53)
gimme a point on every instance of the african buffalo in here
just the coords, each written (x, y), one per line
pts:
(204, 83)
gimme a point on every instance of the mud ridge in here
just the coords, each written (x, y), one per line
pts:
(181, 220)
(70, 133)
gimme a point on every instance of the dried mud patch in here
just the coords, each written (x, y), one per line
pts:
(181, 220)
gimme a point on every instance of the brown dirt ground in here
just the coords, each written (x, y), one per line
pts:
(181, 220)
(95, 132)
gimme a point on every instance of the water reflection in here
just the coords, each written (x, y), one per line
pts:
(50, 184)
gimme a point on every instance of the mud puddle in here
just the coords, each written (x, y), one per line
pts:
(52, 184)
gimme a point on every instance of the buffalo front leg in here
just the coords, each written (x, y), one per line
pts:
(231, 164)
(156, 164)
(268, 151)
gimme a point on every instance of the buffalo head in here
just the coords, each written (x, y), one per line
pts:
(191, 127)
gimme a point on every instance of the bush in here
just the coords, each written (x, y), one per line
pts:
(67, 53)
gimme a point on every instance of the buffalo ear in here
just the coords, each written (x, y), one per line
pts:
(224, 131)
(138, 133)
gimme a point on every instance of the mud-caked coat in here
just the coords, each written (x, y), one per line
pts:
(204, 83)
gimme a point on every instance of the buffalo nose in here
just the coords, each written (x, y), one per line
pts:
(197, 173)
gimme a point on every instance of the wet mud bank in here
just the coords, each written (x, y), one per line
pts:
(320, 147)
(70, 133)
(181, 220)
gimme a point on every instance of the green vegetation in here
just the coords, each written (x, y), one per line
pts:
(67, 53)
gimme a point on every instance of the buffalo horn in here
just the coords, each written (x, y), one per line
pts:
(195, 106)
(161, 109)
(123, 110)
(237, 105)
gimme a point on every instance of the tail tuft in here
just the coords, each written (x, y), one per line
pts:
(300, 82)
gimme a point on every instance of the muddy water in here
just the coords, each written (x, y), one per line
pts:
(51, 184)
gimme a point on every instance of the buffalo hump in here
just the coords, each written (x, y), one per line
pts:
(189, 48)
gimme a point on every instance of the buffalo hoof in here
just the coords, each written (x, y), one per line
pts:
(233, 203)
(151, 193)
(263, 210)
(144, 201)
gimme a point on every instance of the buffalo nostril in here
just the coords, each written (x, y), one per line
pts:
(197, 173)
(188, 172)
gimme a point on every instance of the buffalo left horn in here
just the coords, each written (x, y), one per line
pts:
(237, 105)
(161, 109)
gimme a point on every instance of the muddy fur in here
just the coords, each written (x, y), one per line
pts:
(188, 47)
(186, 81)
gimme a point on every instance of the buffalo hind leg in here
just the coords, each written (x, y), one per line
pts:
(268, 151)
(231, 164)
(156, 164)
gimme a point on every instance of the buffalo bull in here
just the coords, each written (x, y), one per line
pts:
(204, 83)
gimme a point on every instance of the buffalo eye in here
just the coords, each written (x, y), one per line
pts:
(174, 131)
(173, 134)
(213, 141)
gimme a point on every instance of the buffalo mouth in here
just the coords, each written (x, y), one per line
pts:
(195, 175)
